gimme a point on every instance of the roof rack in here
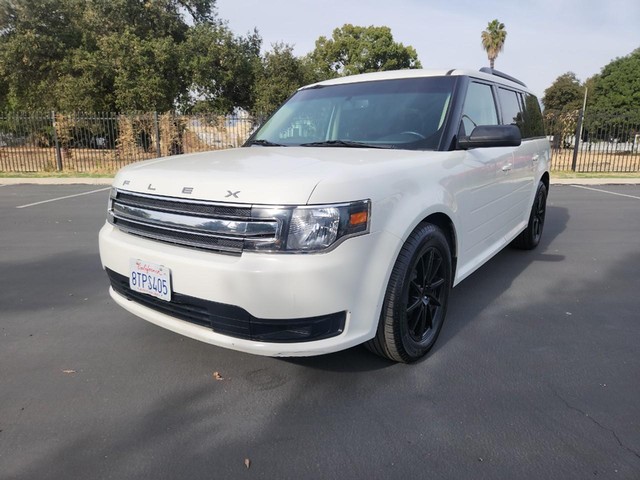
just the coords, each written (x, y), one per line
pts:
(497, 73)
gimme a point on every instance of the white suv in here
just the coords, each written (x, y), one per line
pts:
(346, 218)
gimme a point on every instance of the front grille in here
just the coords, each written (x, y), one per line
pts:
(178, 237)
(204, 209)
(196, 224)
(232, 320)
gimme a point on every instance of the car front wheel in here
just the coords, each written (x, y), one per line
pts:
(416, 299)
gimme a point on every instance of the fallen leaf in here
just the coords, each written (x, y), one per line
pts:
(247, 462)
(217, 376)
(68, 371)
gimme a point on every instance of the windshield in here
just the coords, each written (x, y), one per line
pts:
(404, 113)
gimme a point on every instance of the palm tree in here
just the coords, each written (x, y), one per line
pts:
(493, 40)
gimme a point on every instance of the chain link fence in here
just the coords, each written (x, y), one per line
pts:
(104, 142)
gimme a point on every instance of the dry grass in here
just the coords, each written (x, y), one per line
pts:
(33, 159)
(592, 162)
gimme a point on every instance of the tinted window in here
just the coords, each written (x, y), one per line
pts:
(479, 107)
(533, 122)
(522, 110)
(511, 110)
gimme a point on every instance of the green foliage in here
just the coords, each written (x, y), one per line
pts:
(562, 103)
(493, 39)
(565, 94)
(221, 68)
(158, 55)
(35, 39)
(87, 83)
(613, 101)
(144, 72)
(613, 92)
(95, 54)
(281, 74)
(616, 90)
(353, 49)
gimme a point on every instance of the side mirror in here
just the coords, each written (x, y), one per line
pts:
(484, 136)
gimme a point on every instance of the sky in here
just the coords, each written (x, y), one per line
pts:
(545, 38)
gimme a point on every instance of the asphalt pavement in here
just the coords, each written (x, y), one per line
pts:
(536, 373)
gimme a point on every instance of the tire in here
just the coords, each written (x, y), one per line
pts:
(530, 236)
(415, 302)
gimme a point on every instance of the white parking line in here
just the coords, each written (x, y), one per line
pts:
(62, 198)
(606, 191)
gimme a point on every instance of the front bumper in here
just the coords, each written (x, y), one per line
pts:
(348, 282)
(232, 320)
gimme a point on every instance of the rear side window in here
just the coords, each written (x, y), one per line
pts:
(479, 107)
(533, 122)
(522, 110)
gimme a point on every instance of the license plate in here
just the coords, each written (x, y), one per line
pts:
(150, 278)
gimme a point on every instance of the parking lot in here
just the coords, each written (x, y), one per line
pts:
(536, 373)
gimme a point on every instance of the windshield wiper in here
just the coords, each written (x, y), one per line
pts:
(264, 143)
(343, 143)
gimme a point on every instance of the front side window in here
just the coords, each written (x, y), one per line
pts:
(403, 113)
(479, 107)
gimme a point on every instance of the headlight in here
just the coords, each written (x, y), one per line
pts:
(312, 228)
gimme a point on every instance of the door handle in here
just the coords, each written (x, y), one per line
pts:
(507, 167)
(535, 158)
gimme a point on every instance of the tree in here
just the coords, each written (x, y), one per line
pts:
(353, 49)
(221, 67)
(95, 54)
(493, 39)
(565, 94)
(562, 103)
(145, 76)
(282, 74)
(35, 38)
(616, 90)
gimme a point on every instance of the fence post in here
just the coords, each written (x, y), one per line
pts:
(577, 144)
(56, 142)
(155, 119)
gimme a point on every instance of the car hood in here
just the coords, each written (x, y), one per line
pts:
(260, 175)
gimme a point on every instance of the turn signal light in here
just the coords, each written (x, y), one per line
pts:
(358, 218)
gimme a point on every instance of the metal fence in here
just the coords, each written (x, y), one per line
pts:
(594, 143)
(104, 142)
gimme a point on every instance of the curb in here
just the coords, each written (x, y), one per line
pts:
(595, 181)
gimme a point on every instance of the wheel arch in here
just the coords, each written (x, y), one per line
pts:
(444, 222)
(545, 179)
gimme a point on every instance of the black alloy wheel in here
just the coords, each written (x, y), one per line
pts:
(539, 210)
(530, 237)
(425, 295)
(415, 303)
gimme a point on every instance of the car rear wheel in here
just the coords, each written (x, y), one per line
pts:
(530, 237)
(416, 299)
